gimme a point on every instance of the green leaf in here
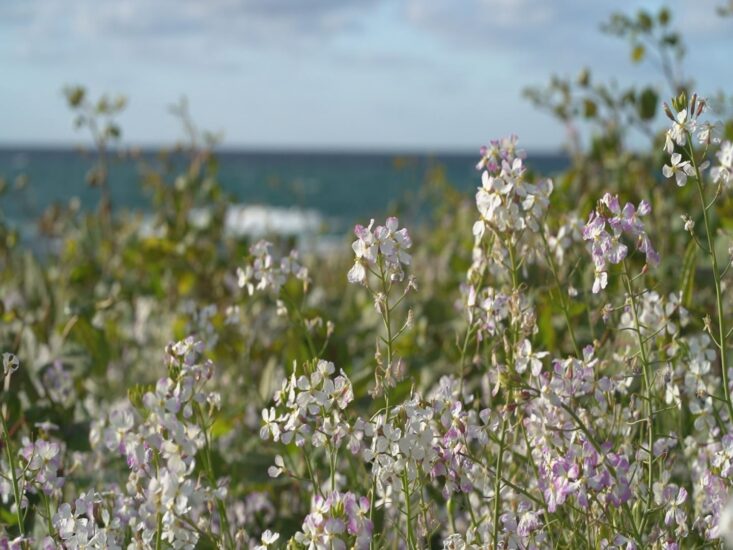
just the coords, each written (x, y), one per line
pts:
(7, 517)
(637, 53)
(221, 427)
(644, 21)
(75, 95)
(664, 16)
(647, 105)
(94, 342)
(76, 436)
(584, 78)
(590, 109)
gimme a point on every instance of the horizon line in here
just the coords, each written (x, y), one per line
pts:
(318, 149)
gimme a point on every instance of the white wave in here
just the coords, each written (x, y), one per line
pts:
(258, 221)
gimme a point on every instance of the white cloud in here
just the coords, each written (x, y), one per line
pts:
(46, 28)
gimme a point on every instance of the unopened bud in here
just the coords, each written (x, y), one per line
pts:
(682, 100)
(701, 107)
(668, 112)
(411, 283)
(689, 224)
(707, 322)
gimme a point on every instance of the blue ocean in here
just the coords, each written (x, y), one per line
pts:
(333, 190)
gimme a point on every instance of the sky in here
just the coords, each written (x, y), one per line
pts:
(438, 75)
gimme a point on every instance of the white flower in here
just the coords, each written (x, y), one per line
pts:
(678, 168)
(525, 358)
(678, 133)
(689, 223)
(723, 173)
(270, 426)
(725, 524)
(600, 282)
(278, 468)
(268, 538)
(10, 363)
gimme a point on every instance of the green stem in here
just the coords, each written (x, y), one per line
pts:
(411, 543)
(47, 506)
(212, 479)
(716, 279)
(497, 483)
(386, 318)
(451, 519)
(13, 476)
(648, 386)
(159, 533)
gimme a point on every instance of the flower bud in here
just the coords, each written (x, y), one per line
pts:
(701, 107)
(11, 363)
(668, 112)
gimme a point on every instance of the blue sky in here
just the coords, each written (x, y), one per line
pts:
(320, 74)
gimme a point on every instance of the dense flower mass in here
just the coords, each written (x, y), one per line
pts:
(505, 404)
(506, 200)
(606, 226)
(338, 521)
(309, 408)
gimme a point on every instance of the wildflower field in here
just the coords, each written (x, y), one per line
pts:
(544, 363)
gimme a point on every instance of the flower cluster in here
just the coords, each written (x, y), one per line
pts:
(336, 522)
(78, 527)
(266, 273)
(384, 248)
(309, 408)
(685, 123)
(41, 462)
(658, 316)
(424, 438)
(506, 200)
(492, 311)
(604, 230)
(164, 494)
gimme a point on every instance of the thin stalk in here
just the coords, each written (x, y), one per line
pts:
(497, 483)
(647, 383)
(716, 279)
(212, 480)
(159, 533)
(47, 507)
(13, 476)
(386, 318)
(502, 439)
(466, 340)
(406, 490)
